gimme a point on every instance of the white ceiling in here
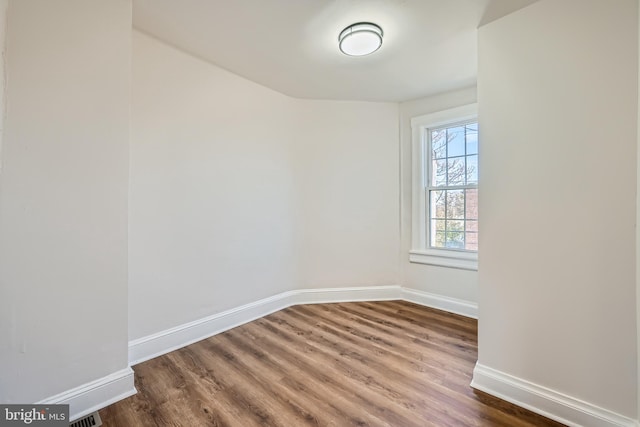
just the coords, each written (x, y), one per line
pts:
(291, 46)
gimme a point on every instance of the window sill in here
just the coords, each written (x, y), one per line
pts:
(451, 259)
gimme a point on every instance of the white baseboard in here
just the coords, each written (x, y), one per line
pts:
(163, 342)
(544, 401)
(95, 395)
(541, 400)
(328, 295)
(452, 305)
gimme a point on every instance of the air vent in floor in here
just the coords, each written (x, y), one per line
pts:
(91, 420)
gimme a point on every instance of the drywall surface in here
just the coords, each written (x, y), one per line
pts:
(557, 92)
(238, 192)
(212, 192)
(63, 196)
(347, 180)
(4, 5)
(450, 282)
(638, 239)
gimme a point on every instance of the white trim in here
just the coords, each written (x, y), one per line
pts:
(441, 302)
(154, 345)
(95, 395)
(544, 401)
(418, 195)
(419, 205)
(352, 294)
(444, 117)
(452, 259)
(541, 400)
(163, 342)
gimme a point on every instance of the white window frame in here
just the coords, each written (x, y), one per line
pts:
(420, 251)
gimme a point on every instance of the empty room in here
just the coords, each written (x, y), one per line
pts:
(319, 212)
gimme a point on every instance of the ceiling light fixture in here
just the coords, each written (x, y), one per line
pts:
(360, 39)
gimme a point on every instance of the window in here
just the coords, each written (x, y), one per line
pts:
(452, 186)
(445, 188)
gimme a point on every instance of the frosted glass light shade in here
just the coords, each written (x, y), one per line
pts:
(360, 39)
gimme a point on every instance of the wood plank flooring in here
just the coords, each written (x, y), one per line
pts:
(389, 363)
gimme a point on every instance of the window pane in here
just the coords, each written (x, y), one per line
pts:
(438, 199)
(455, 171)
(472, 169)
(455, 225)
(455, 141)
(471, 241)
(439, 144)
(455, 239)
(439, 170)
(455, 204)
(472, 138)
(471, 211)
(439, 224)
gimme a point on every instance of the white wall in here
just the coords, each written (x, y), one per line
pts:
(449, 282)
(238, 192)
(315, 195)
(63, 196)
(4, 5)
(212, 192)
(346, 156)
(557, 91)
(638, 238)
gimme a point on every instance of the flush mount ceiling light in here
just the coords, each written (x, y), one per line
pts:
(360, 39)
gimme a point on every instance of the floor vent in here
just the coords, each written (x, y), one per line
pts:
(91, 420)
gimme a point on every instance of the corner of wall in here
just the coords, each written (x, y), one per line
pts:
(95, 395)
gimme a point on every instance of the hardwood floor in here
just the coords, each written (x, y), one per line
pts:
(365, 364)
